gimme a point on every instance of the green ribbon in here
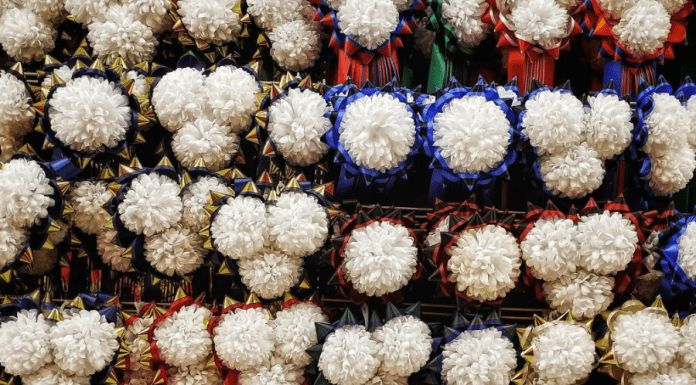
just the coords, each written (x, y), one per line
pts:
(448, 58)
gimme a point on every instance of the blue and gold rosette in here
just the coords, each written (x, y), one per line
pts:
(676, 283)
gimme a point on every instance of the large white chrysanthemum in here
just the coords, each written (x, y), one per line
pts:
(182, 338)
(205, 139)
(479, 357)
(368, 22)
(645, 341)
(275, 372)
(239, 228)
(380, 258)
(405, 345)
(670, 376)
(179, 97)
(616, 7)
(668, 124)
(25, 193)
(485, 262)
(151, 204)
(295, 332)
(607, 242)
(111, 253)
(553, 121)
(268, 14)
(609, 127)
(122, 34)
(295, 45)
(464, 16)
(244, 338)
(25, 36)
(51, 11)
(195, 199)
(83, 343)
(550, 249)
(377, 131)
(673, 6)
(296, 125)
(177, 250)
(582, 294)
(297, 224)
(12, 240)
(643, 28)
(89, 200)
(270, 273)
(687, 349)
(691, 109)
(671, 172)
(213, 21)
(86, 11)
(231, 96)
(26, 340)
(16, 113)
(687, 251)
(197, 374)
(90, 114)
(542, 22)
(572, 173)
(53, 375)
(472, 134)
(349, 356)
(150, 12)
(564, 352)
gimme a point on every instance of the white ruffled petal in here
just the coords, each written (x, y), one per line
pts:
(405, 345)
(607, 242)
(244, 338)
(368, 22)
(582, 294)
(207, 140)
(553, 121)
(25, 193)
(151, 204)
(645, 341)
(295, 332)
(26, 343)
(121, 34)
(564, 352)
(297, 224)
(479, 357)
(183, 338)
(239, 228)
(643, 28)
(349, 356)
(551, 249)
(213, 21)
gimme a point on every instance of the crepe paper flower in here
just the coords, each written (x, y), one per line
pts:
(217, 22)
(123, 34)
(296, 45)
(270, 272)
(150, 204)
(89, 199)
(608, 242)
(582, 294)
(28, 343)
(182, 337)
(551, 248)
(608, 123)
(295, 330)
(239, 226)
(26, 35)
(297, 224)
(176, 251)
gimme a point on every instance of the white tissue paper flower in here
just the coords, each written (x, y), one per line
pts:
(687, 251)
(244, 338)
(182, 338)
(151, 12)
(53, 375)
(609, 127)
(205, 139)
(195, 199)
(110, 252)
(297, 224)
(296, 124)
(607, 242)
(177, 250)
(464, 16)
(197, 374)
(151, 204)
(485, 262)
(86, 11)
(479, 357)
(122, 34)
(295, 45)
(16, 112)
(645, 341)
(553, 121)
(90, 114)
(369, 22)
(668, 124)
(27, 345)
(179, 97)
(349, 356)
(691, 109)
(25, 193)
(472, 134)
(47, 10)
(405, 345)
(12, 240)
(551, 249)
(268, 14)
(687, 349)
(275, 372)
(213, 21)
(231, 96)
(572, 173)
(643, 28)
(670, 376)
(582, 294)
(239, 228)
(89, 200)
(25, 36)
(83, 343)
(270, 273)
(380, 258)
(295, 332)
(564, 352)
(671, 172)
(542, 22)
(616, 7)
(377, 131)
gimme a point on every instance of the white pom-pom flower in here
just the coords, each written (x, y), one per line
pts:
(239, 228)
(380, 258)
(177, 250)
(213, 21)
(86, 11)
(369, 22)
(151, 12)
(296, 125)
(90, 114)
(609, 127)
(297, 224)
(572, 173)
(110, 252)
(295, 332)
(607, 242)
(268, 14)
(182, 338)
(197, 374)
(643, 28)
(244, 338)
(27, 346)
(553, 121)
(479, 357)
(207, 140)
(16, 115)
(465, 18)
(687, 348)
(671, 172)
(405, 345)
(53, 375)
(89, 200)
(349, 356)
(691, 109)
(383, 378)
(25, 36)
(295, 45)
(485, 262)
(195, 199)
(472, 134)
(645, 341)
(673, 6)
(25, 193)
(83, 343)
(668, 125)
(47, 10)
(542, 22)
(550, 249)
(270, 273)
(687, 251)
(179, 97)
(232, 97)
(276, 372)
(670, 376)
(616, 7)
(122, 34)
(151, 204)
(377, 131)
(582, 294)
(564, 352)
(12, 240)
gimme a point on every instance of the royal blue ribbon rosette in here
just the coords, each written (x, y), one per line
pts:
(676, 283)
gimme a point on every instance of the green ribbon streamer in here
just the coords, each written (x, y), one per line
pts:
(448, 58)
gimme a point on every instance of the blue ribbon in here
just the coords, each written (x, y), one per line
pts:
(675, 281)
